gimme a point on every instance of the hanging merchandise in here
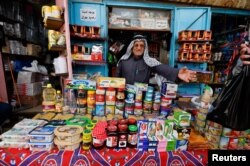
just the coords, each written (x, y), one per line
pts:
(231, 108)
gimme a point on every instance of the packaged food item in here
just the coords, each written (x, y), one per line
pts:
(42, 134)
(122, 135)
(41, 146)
(66, 145)
(112, 136)
(70, 134)
(110, 96)
(86, 139)
(132, 136)
(49, 98)
(59, 101)
(99, 135)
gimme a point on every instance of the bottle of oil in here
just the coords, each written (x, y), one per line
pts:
(59, 101)
(49, 98)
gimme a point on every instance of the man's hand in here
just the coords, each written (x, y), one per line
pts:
(187, 75)
(245, 54)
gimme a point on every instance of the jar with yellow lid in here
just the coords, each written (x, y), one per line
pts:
(93, 122)
(90, 127)
(86, 139)
(90, 98)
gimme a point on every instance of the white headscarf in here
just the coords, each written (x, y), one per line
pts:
(151, 62)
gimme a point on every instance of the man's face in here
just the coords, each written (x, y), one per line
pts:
(138, 49)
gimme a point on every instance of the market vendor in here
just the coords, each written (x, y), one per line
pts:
(138, 67)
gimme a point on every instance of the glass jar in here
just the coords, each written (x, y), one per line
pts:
(100, 91)
(122, 135)
(90, 98)
(132, 136)
(120, 94)
(112, 137)
(110, 96)
(86, 139)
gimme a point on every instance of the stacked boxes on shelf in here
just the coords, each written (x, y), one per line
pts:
(195, 46)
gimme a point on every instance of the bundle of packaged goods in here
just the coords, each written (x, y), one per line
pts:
(68, 137)
(41, 138)
(224, 138)
(18, 136)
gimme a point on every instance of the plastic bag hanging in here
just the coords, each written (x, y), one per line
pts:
(232, 107)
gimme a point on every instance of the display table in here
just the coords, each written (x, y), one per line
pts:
(116, 157)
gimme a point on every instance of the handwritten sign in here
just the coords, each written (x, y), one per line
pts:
(88, 14)
(147, 23)
(162, 24)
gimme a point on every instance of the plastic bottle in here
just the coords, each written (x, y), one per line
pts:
(72, 102)
(49, 93)
(49, 98)
(59, 101)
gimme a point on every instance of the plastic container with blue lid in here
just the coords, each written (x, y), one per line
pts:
(42, 134)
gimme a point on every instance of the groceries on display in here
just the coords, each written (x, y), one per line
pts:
(110, 113)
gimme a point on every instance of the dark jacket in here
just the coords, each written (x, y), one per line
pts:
(136, 70)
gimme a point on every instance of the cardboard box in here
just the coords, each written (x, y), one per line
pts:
(29, 89)
(81, 84)
(181, 145)
(143, 127)
(171, 143)
(31, 100)
(181, 133)
(169, 90)
(26, 77)
(113, 82)
(182, 118)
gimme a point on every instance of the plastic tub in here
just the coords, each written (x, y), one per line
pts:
(42, 134)
(64, 145)
(41, 146)
(68, 133)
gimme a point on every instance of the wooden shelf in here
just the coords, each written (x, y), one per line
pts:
(57, 48)
(20, 39)
(60, 74)
(20, 55)
(53, 23)
(194, 41)
(217, 62)
(80, 36)
(191, 61)
(138, 29)
(216, 84)
(84, 62)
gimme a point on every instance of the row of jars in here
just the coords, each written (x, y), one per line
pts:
(112, 134)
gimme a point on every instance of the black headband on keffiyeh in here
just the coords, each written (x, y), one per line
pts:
(139, 37)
